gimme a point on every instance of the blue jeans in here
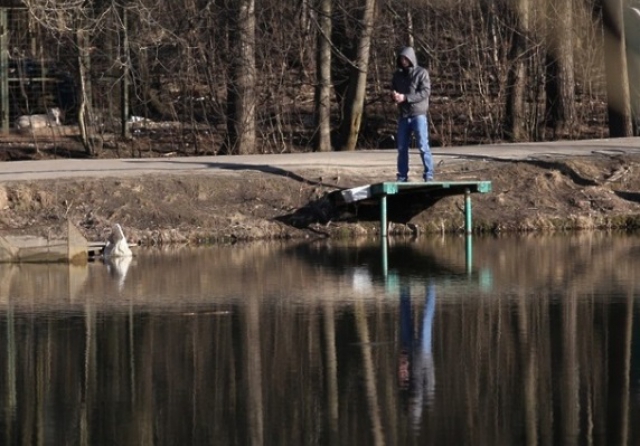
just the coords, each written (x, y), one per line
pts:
(414, 125)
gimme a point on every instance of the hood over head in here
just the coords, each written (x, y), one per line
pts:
(409, 53)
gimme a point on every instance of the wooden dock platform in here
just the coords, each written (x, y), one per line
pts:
(431, 190)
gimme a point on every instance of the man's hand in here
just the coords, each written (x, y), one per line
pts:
(399, 98)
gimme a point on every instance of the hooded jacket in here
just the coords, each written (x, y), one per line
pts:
(414, 83)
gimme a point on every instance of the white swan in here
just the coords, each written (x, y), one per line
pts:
(117, 245)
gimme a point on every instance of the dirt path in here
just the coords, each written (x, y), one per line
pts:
(360, 161)
(576, 185)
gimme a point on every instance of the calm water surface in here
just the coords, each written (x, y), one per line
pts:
(510, 341)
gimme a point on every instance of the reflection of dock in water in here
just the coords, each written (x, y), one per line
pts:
(298, 274)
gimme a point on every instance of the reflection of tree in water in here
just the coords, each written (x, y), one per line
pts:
(416, 370)
(533, 363)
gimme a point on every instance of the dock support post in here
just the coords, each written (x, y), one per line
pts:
(468, 252)
(383, 215)
(468, 229)
(467, 211)
(385, 256)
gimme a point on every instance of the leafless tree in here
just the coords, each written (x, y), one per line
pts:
(560, 83)
(632, 35)
(354, 105)
(619, 106)
(241, 110)
(253, 77)
(323, 83)
(515, 114)
(72, 23)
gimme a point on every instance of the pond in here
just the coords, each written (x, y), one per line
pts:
(433, 341)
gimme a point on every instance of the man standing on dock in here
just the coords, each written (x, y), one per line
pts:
(411, 90)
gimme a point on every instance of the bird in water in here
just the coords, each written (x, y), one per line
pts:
(117, 245)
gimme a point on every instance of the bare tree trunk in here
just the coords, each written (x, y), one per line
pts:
(241, 93)
(305, 11)
(124, 83)
(84, 112)
(632, 38)
(4, 71)
(515, 114)
(615, 60)
(409, 31)
(354, 106)
(560, 83)
(323, 87)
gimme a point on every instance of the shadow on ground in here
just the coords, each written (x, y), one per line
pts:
(400, 209)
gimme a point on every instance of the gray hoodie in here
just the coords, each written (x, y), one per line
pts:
(414, 83)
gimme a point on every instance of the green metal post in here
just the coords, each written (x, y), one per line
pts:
(385, 257)
(468, 227)
(383, 215)
(467, 211)
(468, 251)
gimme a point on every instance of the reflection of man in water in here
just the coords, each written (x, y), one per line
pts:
(416, 372)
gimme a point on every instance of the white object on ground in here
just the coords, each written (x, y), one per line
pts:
(133, 119)
(356, 193)
(51, 118)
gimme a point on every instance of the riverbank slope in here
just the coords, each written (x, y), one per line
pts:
(536, 187)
